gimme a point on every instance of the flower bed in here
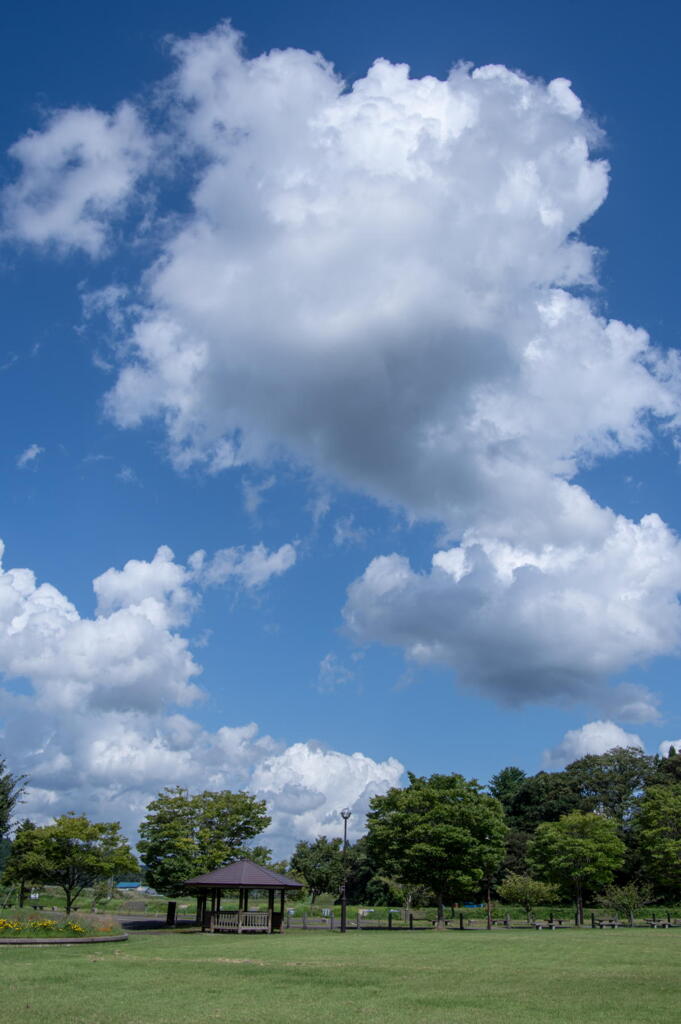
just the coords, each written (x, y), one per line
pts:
(55, 927)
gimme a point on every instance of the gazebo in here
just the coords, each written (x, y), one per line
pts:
(243, 875)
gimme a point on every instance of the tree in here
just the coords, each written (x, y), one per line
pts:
(11, 790)
(441, 831)
(73, 853)
(579, 851)
(612, 782)
(20, 867)
(657, 831)
(320, 863)
(626, 899)
(526, 892)
(506, 784)
(183, 835)
(667, 769)
(546, 796)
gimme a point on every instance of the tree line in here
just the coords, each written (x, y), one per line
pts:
(608, 826)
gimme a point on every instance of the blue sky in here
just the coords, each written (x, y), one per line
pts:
(375, 351)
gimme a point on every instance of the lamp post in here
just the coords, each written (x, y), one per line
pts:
(345, 814)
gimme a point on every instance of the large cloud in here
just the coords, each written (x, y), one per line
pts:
(89, 708)
(307, 786)
(376, 280)
(387, 282)
(533, 625)
(125, 659)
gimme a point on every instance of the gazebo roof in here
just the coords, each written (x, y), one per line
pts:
(244, 874)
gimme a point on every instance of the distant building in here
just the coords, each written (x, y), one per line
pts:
(135, 887)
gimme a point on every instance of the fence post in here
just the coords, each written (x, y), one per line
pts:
(507, 920)
(461, 921)
(390, 919)
(593, 919)
(304, 920)
(170, 912)
(331, 921)
(411, 922)
(358, 920)
(669, 917)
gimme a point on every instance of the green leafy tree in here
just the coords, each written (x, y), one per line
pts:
(625, 900)
(506, 784)
(183, 835)
(11, 790)
(361, 870)
(657, 832)
(320, 863)
(546, 796)
(611, 783)
(580, 851)
(526, 892)
(260, 855)
(73, 853)
(668, 769)
(441, 831)
(20, 866)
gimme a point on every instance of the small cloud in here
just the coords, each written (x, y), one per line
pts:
(346, 533)
(101, 363)
(127, 475)
(96, 457)
(253, 493)
(252, 568)
(31, 453)
(109, 302)
(319, 506)
(332, 674)
(9, 362)
(632, 703)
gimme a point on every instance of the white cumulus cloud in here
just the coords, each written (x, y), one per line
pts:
(76, 174)
(89, 710)
(308, 785)
(592, 738)
(386, 282)
(528, 625)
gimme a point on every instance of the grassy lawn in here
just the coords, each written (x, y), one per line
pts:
(424, 978)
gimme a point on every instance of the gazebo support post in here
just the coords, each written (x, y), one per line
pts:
(270, 907)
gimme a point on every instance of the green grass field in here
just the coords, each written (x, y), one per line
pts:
(426, 978)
